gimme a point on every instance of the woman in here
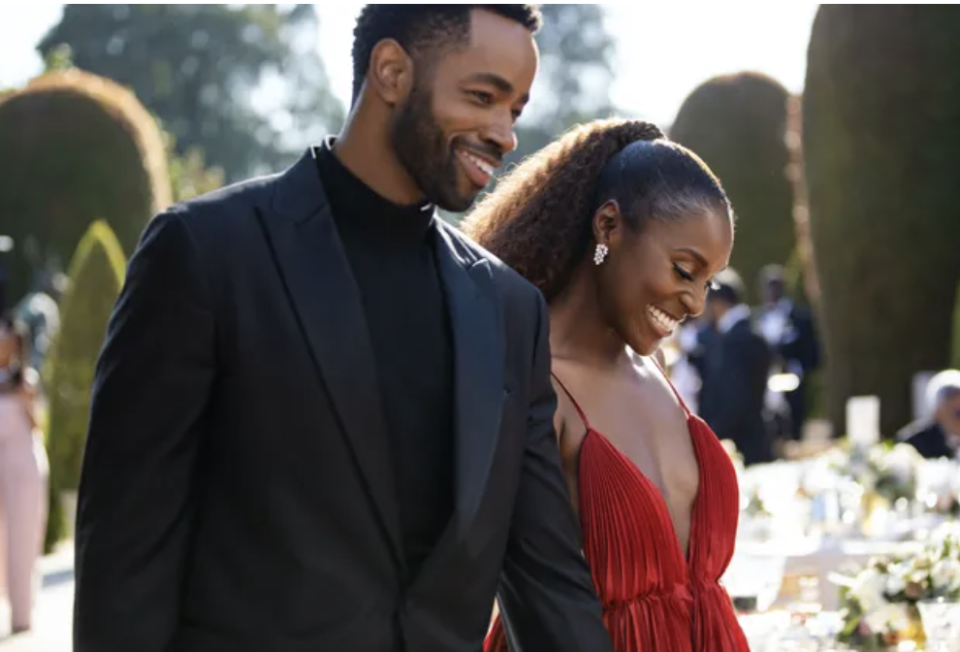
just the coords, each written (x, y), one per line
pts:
(623, 231)
(23, 476)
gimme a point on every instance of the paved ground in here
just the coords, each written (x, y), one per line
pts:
(54, 610)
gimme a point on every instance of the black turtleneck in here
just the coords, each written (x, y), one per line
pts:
(390, 250)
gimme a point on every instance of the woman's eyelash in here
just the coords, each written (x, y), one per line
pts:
(687, 276)
(682, 273)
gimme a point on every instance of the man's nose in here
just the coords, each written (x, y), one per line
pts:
(501, 132)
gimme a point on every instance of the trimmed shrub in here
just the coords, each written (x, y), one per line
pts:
(880, 140)
(96, 277)
(738, 125)
(76, 148)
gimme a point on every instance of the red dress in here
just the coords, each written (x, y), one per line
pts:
(654, 599)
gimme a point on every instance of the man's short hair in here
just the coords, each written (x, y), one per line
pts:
(729, 288)
(419, 27)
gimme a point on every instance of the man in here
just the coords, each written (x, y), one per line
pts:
(790, 332)
(735, 365)
(938, 435)
(322, 419)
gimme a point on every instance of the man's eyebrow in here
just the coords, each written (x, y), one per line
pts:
(497, 82)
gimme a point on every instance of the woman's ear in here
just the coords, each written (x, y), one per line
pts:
(608, 223)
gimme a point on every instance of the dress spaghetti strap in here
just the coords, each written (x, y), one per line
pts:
(663, 371)
(583, 417)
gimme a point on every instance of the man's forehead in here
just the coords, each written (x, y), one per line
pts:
(489, 30)
(499, 51)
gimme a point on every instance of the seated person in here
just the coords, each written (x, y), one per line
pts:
(938, 435)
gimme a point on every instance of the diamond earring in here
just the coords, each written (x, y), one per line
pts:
(601, 253)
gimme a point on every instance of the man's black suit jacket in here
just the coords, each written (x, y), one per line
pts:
(236, 493)
(734, 383)
(928, 438)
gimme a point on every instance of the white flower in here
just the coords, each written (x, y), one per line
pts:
(896, 582)
(917, 576)
(903, 461)
(890, 618)
(946, 534)
(946, 575)
(868, 590)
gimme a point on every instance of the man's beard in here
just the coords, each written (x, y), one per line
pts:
(422, 150)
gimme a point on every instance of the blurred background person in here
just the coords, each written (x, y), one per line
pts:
(735, 367)
(938, 435)
(23, 475)
(789, 330)
(39, 311)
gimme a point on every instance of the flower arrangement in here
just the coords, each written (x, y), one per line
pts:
(893, 470)
(879, 602)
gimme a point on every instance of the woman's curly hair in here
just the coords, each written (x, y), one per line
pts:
(539, 218)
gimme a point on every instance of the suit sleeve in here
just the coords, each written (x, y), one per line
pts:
(547, 597)
(137, 490)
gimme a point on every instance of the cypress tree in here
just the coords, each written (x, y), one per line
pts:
(96, 275)
(881, 132)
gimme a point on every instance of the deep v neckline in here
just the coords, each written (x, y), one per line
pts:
(652, 486)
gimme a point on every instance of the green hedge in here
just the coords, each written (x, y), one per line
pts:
(955, 345)
(880, 140)
(76, 147)
(96, 277)
(738, 125)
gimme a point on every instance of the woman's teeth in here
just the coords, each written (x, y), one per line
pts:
(663, 320)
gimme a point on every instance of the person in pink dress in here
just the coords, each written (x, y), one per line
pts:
(23, 477)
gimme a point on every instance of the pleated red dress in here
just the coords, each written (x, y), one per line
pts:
(654, 599)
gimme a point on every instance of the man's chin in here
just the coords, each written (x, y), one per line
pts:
(457, 203)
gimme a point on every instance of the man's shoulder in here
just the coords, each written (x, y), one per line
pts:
(746, 333)
(215, 214)
(919, 430)
(745, 328)
(504, 276)
(230, 198)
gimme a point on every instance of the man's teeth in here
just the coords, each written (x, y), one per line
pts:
(485, 167)
(665, 321)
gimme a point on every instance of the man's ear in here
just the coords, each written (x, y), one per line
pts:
(390, 75)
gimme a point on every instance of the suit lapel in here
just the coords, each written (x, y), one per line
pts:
(326, 299)
(478, 378)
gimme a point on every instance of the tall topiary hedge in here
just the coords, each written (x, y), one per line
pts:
(738, 125)
(955, 344)
(881, 134)
(96, 276)
(75, 147)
